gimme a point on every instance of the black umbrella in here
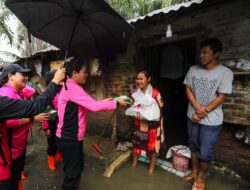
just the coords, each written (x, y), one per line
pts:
(87, 28)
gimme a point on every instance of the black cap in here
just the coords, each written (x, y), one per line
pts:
(12, 68)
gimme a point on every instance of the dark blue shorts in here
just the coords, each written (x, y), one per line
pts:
(202, 139)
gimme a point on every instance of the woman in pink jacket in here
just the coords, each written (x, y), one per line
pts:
(73, 103)
(14, 79)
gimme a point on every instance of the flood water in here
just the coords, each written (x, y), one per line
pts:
(125, 178)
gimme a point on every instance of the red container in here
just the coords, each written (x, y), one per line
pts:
(180, 162)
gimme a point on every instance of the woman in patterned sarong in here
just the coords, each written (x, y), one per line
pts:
(148, 135)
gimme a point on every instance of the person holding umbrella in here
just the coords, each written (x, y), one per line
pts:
(14, 80)
(73, 104)
(10, 109)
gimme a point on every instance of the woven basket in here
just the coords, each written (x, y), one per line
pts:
(180, 162)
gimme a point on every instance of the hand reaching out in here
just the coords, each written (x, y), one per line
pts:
(122, 102)
(42, 117)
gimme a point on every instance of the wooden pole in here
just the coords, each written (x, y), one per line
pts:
(117, 163)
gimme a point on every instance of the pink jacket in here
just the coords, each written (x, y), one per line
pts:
(5, 160)
(72, 107)
(19, 132)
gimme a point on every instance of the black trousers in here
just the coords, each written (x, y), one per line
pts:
(16, 170)
(52, 148)
(73, 161)
(5, 184)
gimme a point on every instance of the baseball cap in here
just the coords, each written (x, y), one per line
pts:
(12, 68)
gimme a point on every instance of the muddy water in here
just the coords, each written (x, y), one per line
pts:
(126, 178)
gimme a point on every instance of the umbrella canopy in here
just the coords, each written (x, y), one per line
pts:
(87, 28)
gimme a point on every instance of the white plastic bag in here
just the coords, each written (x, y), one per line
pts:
(243, 65)
(146, 107)
(180, 149)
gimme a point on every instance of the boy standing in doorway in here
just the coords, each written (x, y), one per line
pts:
(206, 86)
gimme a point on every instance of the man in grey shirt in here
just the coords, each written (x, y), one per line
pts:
(206, 86)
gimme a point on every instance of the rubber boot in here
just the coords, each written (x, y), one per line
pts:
(23, 176)
(20, 185)
(59, 156)
(51, 163)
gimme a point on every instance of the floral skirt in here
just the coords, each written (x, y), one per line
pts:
(147, 142)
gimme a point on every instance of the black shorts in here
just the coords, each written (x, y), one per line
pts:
(5, 185)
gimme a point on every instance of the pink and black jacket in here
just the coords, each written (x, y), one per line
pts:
(73, 104)
(13, 135)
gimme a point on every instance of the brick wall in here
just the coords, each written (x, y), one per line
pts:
(237, 105)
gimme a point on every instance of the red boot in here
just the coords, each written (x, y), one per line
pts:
(59, 157)
(20, 185)
(23, 176)
(51, 163)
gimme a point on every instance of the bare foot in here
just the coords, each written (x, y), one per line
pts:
(151, 172)
(135, 160)
(134, 164)
(199, 184)
(192, 176)
(152, 165)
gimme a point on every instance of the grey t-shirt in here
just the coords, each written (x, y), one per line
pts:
(205, 85)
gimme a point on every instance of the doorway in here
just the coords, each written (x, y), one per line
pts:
(168, 73)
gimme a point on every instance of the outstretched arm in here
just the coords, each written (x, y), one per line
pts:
(10, 108)
(14, 109)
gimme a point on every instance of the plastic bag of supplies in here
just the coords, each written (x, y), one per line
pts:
(145, 108)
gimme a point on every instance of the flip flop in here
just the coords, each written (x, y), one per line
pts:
(191, 176)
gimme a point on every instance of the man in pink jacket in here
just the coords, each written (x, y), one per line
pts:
(73, 103)
(14, 79)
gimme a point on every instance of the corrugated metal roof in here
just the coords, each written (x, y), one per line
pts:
(166, 10)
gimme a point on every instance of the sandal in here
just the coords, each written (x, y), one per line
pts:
(199, 184)
(191, 176)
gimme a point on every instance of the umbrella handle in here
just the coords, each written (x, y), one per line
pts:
(64, 81)
(64, 66)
